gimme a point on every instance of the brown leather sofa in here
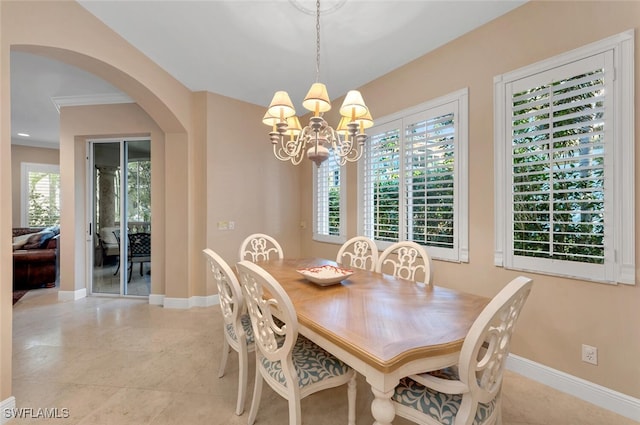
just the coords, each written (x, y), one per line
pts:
(35, 257)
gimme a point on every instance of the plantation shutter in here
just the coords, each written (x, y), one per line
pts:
(328, 198)
(558, 163)
(429, 151)
(413, 181)
(382, 184)
(43, 197)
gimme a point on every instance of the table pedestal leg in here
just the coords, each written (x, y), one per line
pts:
(381, 407)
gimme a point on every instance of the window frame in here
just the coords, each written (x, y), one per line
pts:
(460, 252)
(25, 169)
(619, 264)
(322, 237)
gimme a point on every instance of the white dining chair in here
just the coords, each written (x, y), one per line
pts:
(359, 252)
(260, 247)
(238, 333)
(469, 392)
(406, 260)
(291, 364)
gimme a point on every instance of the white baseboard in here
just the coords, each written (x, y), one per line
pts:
(185, 303)
(7, 405)
(156, 299)
(72, 295)
(207, 301)
(604, 397)
(182, 303)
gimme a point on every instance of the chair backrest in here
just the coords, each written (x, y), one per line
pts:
(359, 252)
(229, 291)
(108, 235)
(139, 244)
(486, 347)
(407, 260)
(260, 247)
(274, 321)
(116, 234)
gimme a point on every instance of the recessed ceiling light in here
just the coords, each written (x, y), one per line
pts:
(24, 135)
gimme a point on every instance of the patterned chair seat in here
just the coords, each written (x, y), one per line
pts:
(471, 392)
(245, 321)
(312, 363)
(442, 407)
(235, 322)
(292, 365)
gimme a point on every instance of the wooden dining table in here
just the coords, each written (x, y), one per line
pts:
(382, 326)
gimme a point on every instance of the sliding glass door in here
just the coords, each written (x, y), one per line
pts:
(120, 231)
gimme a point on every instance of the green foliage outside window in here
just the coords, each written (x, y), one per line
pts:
(558, 172)
(44, 199)
(139, 191)
(385, 202)
(428, 185)
(334, 211)
(431, 190)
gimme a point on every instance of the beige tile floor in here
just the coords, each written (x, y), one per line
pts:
(123, 361)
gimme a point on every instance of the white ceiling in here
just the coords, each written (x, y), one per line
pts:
(248, 49)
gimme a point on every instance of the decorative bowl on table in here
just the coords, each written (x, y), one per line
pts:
(325, 275)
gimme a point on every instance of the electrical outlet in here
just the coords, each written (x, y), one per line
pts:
(589, 354)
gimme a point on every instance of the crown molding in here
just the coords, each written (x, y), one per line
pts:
(90, 99)
(35, 143)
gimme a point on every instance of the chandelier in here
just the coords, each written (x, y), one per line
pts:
(318, 139)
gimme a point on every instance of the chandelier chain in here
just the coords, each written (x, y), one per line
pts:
(317, 41)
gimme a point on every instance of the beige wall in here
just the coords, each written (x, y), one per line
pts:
(561, 314)
(5, 225)
(20, 154)
(261, 197)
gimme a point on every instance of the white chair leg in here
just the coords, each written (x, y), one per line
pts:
(351, 397)
(255, 403)
(243, 366)
(295, 411)
(499, 409)
(223, 361)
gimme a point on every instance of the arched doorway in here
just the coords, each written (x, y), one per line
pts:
(73, 256)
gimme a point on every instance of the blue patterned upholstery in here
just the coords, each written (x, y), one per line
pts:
(440, 406)
(235, 322)
(312, 363)
(446, 373)
(478, 373)
(291, 364)
(245, 321)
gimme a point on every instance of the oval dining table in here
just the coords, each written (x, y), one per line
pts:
(382, 326)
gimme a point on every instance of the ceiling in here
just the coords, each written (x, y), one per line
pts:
(246, 49)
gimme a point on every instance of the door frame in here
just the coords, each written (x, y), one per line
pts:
(91, 212)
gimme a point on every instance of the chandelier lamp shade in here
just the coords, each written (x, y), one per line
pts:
(318, 139)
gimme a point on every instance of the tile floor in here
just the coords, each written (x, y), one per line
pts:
(106, 282)
(123, 361)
